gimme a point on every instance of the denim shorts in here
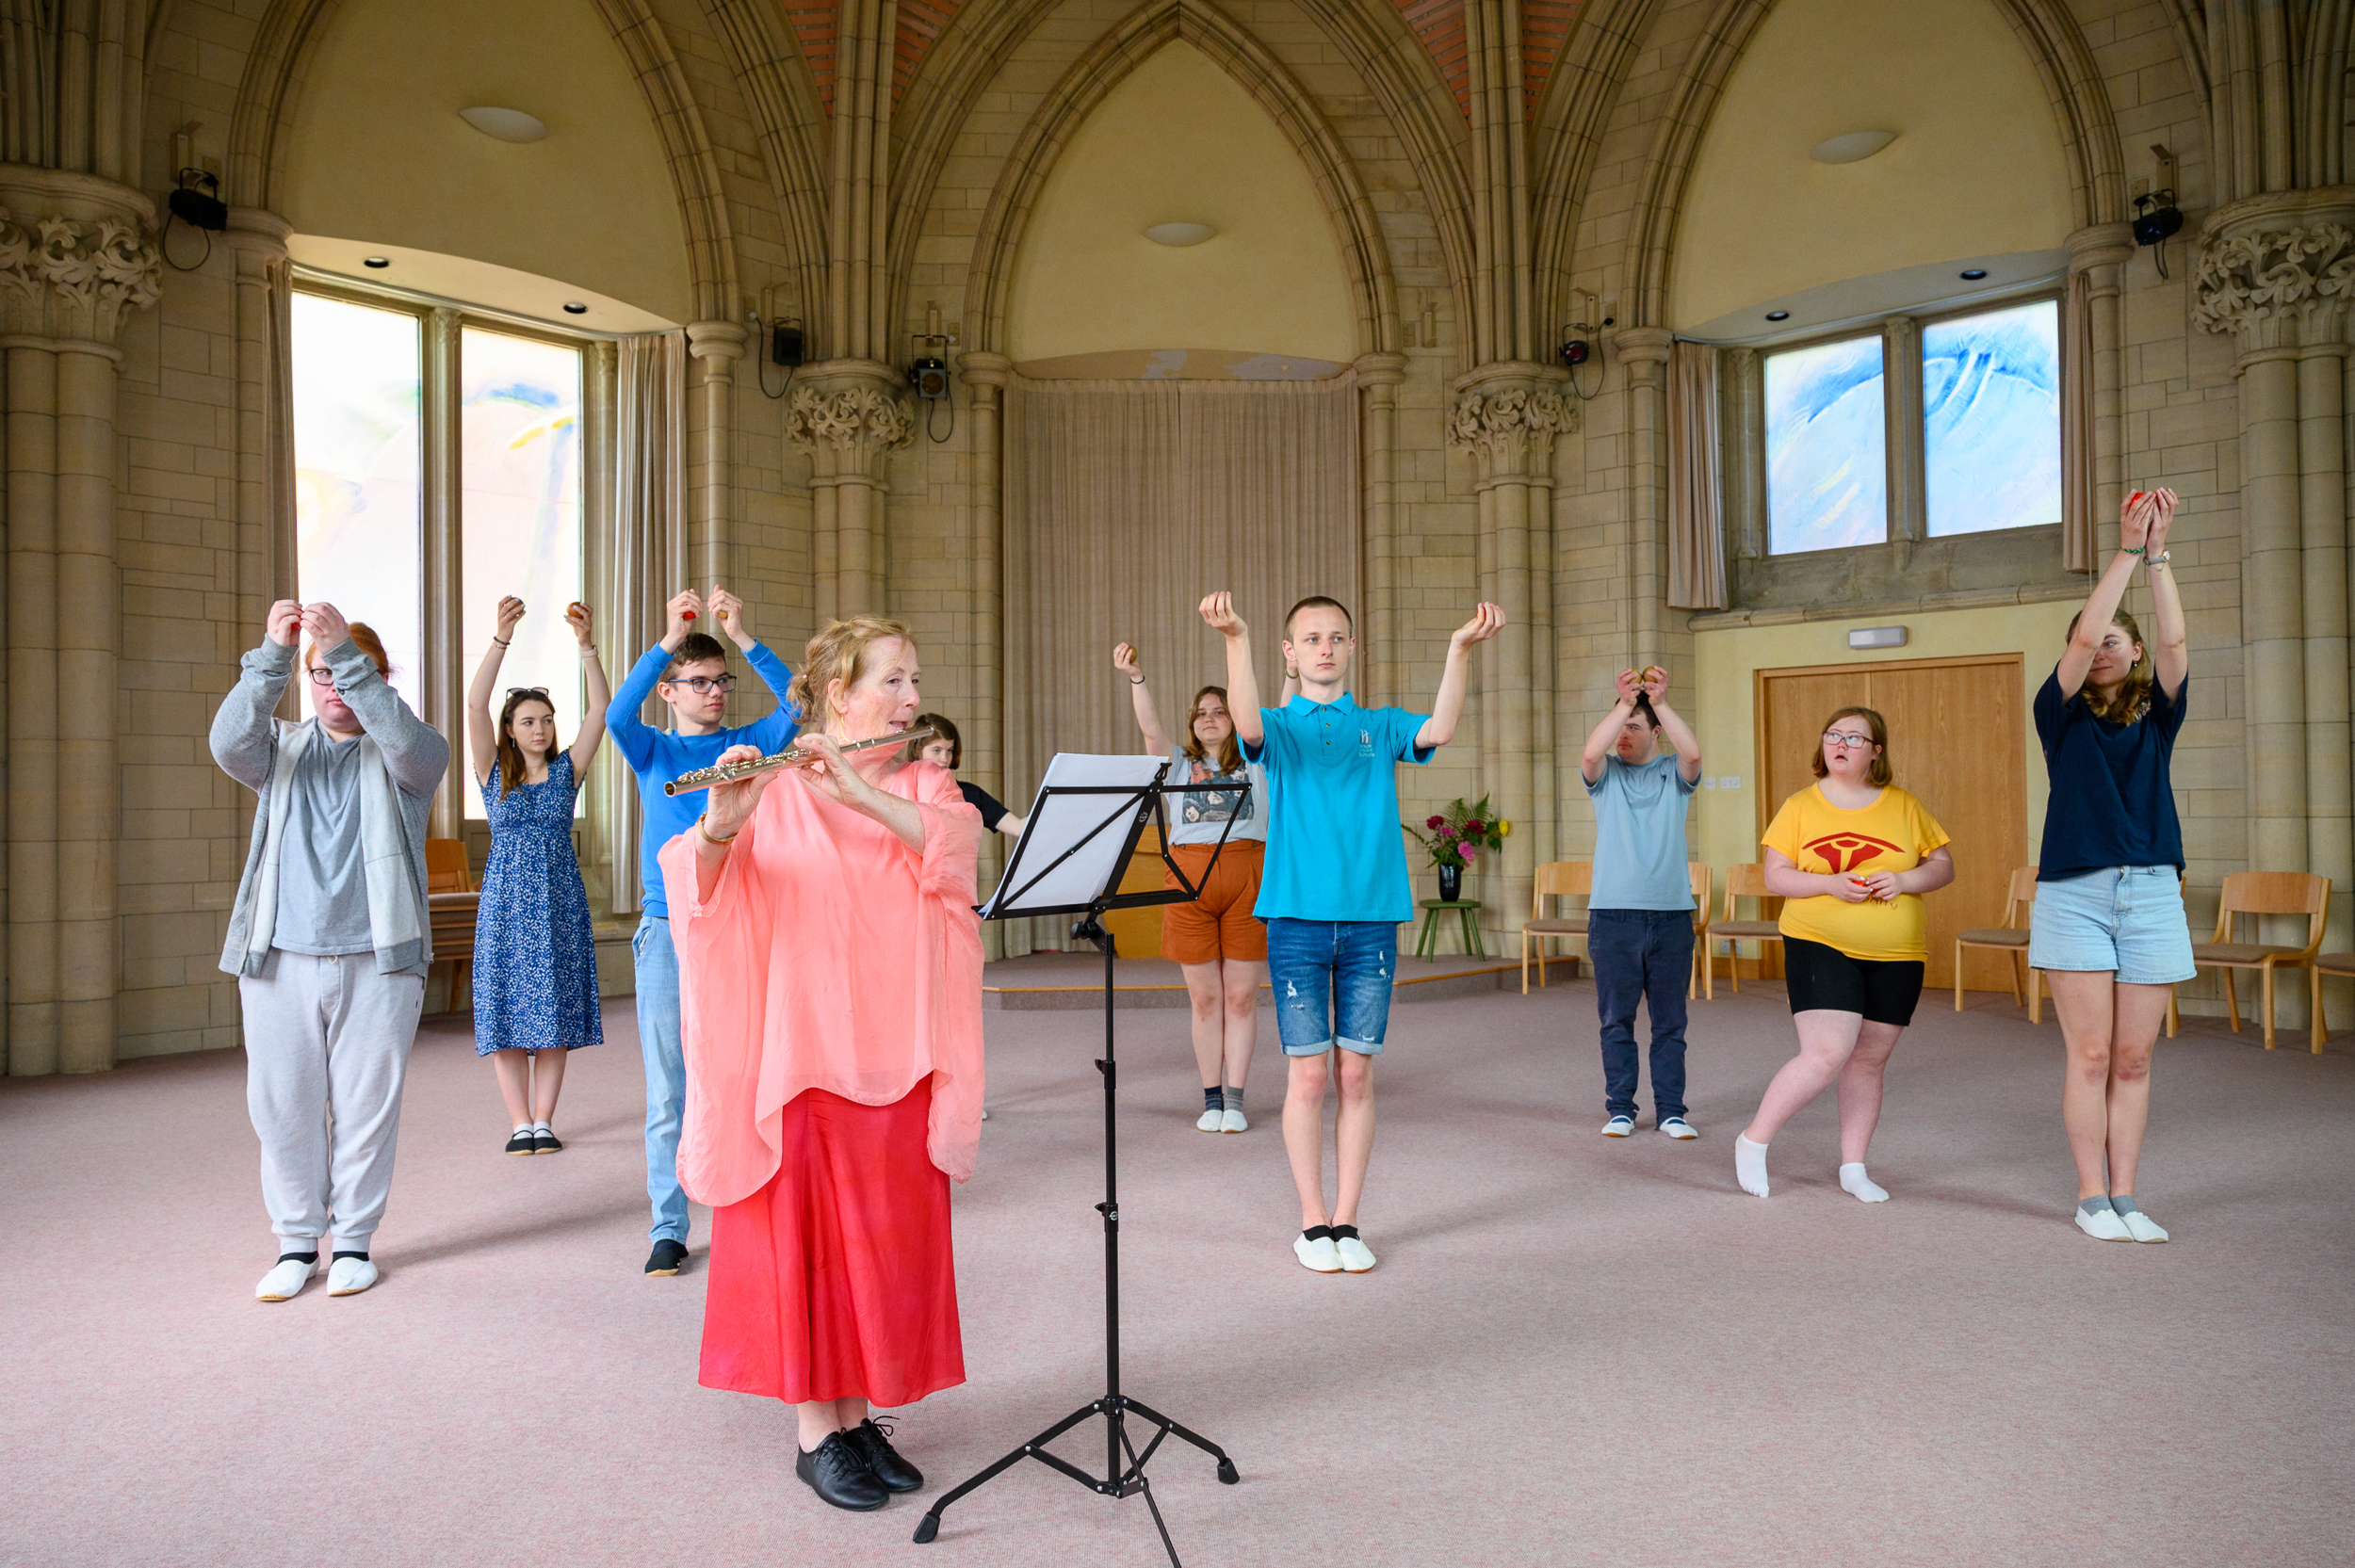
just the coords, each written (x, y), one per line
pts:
(1329, 972)
(2126, 918)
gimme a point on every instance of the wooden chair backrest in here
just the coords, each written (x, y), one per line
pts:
(2276, 892)
(447, 869)
(1747, 881)
(1561, 879)
(2021, 897)
(1696, 873)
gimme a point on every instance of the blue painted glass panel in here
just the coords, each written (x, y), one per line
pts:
(1990, 416)
(1826, 466)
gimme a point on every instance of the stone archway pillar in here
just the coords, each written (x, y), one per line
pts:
(1378, 380)
(715, 345)
(76, 255)
(849, 416)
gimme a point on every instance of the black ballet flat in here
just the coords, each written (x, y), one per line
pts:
(522, 1143)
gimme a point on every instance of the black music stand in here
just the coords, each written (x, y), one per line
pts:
(1077, 843)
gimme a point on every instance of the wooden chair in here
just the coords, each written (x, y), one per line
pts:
(2265, 893)
(446, 868)
(1556, 878)
(2010, 937)
(1697, 874)
(2325, 963)
(1747, 881)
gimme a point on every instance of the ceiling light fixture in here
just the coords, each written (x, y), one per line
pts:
(379, 263)
(1853, 148)
(574, 307)
(1179, 234)
(503, 124)
(1972, 274)
(1778, 316)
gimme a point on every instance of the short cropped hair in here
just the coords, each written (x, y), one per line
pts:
(694, 648)
(1318, 601)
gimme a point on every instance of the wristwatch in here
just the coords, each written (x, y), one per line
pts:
(2159, 560)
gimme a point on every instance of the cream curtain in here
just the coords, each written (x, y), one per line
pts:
(1124, 503)
(1697, 534)
(2077, 519)
(648, 550)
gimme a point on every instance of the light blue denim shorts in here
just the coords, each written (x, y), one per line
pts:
(1332, 983)
(2126, 919)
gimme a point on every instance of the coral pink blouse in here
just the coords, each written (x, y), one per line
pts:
(829, 956)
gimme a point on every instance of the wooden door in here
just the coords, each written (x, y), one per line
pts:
(1955, 729)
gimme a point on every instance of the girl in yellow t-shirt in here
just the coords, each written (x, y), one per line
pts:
(1851, 857)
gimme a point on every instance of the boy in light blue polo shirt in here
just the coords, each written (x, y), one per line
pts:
(1334, 889)
(689, 671)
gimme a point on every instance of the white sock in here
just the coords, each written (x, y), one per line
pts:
(539, 1126)
(522, 1126)
(1749, 1165)
(1853, 1180)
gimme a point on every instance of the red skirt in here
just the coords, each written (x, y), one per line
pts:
(836, 1280)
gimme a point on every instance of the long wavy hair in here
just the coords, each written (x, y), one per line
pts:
(1229, 752)
(2134, 698)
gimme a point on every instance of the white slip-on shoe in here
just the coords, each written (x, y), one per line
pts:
(1315, 1250)
(2104, 1225)
(1232, 1120)
(1355, 1256)
(1619, 1127)
(1213, 1120)
(286, 1279)
(1679, 1128)
(2142, 1227)
(349, 1276)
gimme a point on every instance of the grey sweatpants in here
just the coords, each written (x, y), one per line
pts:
(326, 1048)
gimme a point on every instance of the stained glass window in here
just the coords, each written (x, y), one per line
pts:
(520, 517)
(1990, 419)
(1827, 468)
(359, 534)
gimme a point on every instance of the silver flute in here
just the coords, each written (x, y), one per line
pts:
(792, 756)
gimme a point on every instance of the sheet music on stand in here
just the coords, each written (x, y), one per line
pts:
(1081, 831)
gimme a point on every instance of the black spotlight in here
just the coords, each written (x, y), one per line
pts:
(574, 307)
(1778, 316)
(1972, 274)
(2156, 218)
(379, 263)
(1574, 352)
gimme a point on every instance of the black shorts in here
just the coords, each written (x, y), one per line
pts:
(1818, 977)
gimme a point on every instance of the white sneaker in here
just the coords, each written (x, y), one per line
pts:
(286, 1279)
(1232, 1120)
(1678, 1128)
(1619, 1127)
(2105, 1225)
(1355, 1256)
(349, 1276)
(1213, 1121)
(2142, 1227)
(1318, 1254)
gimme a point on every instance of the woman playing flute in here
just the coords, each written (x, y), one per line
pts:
(831, 990)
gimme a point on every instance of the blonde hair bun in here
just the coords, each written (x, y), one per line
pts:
(837, 653)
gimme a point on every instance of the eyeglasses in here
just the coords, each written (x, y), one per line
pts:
(320, 675)
(1841, 740)
(701, 684)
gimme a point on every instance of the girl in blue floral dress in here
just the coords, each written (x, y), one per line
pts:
(535, 963)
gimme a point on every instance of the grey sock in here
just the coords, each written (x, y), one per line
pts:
(1234, 1097)
(2093, 1206)
(2123, 1202)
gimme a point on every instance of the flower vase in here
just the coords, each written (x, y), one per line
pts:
(1450, 883)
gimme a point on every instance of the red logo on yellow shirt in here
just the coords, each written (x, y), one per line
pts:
(1846, 851)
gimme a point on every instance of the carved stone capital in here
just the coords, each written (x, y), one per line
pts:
(2277, 288)
(76, 257)
(850, 427)
(2100, 245)
(1511, 430)
(1380, 369)
(981, 368)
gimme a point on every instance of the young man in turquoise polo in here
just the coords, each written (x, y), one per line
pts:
(1335, 891)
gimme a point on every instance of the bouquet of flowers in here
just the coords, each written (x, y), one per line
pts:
(1457, 834)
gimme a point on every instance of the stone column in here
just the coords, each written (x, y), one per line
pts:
(986, 376)
(444, 683)
(2277, 271)
(1644, 351)
(1509, 414)
(1901, 409)
(715, 345)
(266, 527)
(849, 416)
(2101, 252)
(76, 254)
(1378, 380)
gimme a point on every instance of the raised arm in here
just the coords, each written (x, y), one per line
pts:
(583, 622)
(242, 738)
(772, 732)
(1448, 708)
(622, 722)
(1141, 699)
(1242, 686)
(2100, 610)
(2172, 656)
(1604, 735)
(415, 752)
(1672, 724)
(481, 730)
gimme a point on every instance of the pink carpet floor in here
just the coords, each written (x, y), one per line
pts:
(1575, 1351)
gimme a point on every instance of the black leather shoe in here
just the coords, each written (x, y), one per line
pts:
(521, 1144)
(545, 1142)
(873, 1444)
(837, 1473)
(668, 1257)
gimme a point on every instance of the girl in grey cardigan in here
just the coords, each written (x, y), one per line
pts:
(328, 937)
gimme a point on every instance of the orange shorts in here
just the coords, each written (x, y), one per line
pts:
(1219, 925)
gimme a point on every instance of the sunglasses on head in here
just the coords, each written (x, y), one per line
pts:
(539, 692)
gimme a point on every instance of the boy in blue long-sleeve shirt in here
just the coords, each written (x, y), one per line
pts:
(689, 671)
